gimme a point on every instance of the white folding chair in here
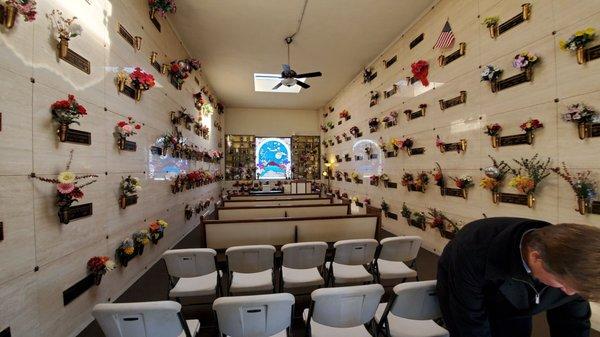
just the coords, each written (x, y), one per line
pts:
(392, 256)
(192, 272)
(250, 269)
(349, 259)
(302, 265)
(411, 311)
(145, 319)
(254, 316)
(342, 311)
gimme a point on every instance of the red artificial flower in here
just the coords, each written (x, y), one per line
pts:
(77, 193)
(137, 126)
(420, 70)
(81, 110)
(122, 124)
(71, 98)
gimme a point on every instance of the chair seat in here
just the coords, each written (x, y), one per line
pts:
(280, 334)
(249, 282)
(193, 325)
(320, 330)
(403, 327)
(299, 278)
(195, 286)
(344, 273)
(394, 270)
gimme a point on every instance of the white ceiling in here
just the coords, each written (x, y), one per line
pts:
(233, 39)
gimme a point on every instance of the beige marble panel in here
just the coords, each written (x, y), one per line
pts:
(16, 135)
(16, 54)
(17, 250)
(566, 13)
(19, 306)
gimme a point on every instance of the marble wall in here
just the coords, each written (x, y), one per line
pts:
(558, 81)
(39, 257)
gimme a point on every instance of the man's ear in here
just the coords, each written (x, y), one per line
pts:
(534, 256)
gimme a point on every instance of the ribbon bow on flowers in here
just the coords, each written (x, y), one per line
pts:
(420, 70)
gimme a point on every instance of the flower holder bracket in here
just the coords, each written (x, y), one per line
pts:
(156, 150)
(416, 41)
(517, 199)
(454, 192)
(358, 181)
(75, 213)
(523, 77)
(373, 156)
(523, 16)
(451, 147)
(348, 180)
(587, 207)
(360, 204)
(391, 215)
(521, 139)
(445, 60)
(447, 234)
(131, 92)
(74, 291)
(390, 124)
(416, 151)
(74, 59)
(460, 99)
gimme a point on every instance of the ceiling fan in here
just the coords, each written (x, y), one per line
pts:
(289, 77)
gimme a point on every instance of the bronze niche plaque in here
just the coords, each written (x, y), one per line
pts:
(79, 137)
(157, 66)
(447, 234)
(391, 92)
(156, 150)
(348, 159)
(511, 23)
(129, 146)
(454, 192)
(460, 99)
(359, 204)
(454, 56)
(348, 180)
(511, 198)
(595, 207)
(339, 160)
(452, 147)
(373, 156)
(595, 130)
(129, 91)
(415, 114)
(339, 122)
(592, 53)
(78, 288)
(416, 41)
(155, 21)
(339, 178)
(413, 188)
(358, 158)
(131, 200)
(79, 211)
(391, 215)
(1, 231)
(515, 140)
(126, 35)
(391, 154)
(388, 63)
(390, 184)
(77, 61)
(416, 151)
(513, 80)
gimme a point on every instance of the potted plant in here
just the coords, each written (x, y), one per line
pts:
(129, 188)
(125, 252)
(98, 266)
(582, 115)
(161, 7)
(157, 230)
(140, 239)
(491, 22)
(577, 43)
(65, 113)
(65, 28)
(529, 175)
(584, 186)
(126, 128)
(493, 130)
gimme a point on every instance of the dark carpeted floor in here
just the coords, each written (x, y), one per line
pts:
(154, 286)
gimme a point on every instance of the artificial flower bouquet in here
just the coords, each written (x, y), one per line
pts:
(493, 130)
(407, 144)
(396, 143)
(582, 183)
(162, 7)
(582, 115)
(491, 22)
(374, 180)
(438, 176)
(525, 60)
(367, 201)
(491, 73)
(100, 265)
(463, 182)
(373, 124)
(125, 252)
(405, 212)
(64, 28)
(382, 144)
(356, 177)
(355, 131)
(494, 176)
(65, 113)
(140, 239)
(420, 70)
(181, 69)
(156, 230)
(27, 8)
(141, 80)
(391, 119)
(418, 219)
(324, 128)
(69, 189)
(531, 125)
(385, 207)
(529, 175)
(577, 43)
(439, 220)
(344, 115)
(330, 124)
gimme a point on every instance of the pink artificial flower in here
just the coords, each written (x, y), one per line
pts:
(127, 128)
(65, 188)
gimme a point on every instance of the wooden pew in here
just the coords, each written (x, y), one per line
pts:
(276, 202)
(221, 234)
(274, 196)
(259, 212)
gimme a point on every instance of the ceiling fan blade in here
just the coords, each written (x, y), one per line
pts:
(276, 86)
(302, 84)
(286, 68)
(306, 75)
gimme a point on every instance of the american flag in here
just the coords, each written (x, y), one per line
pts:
(446, 38)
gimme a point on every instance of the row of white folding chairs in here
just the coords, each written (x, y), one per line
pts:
(344, 311)
(251, 268)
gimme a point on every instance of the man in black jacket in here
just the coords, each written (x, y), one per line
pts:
(498, 272)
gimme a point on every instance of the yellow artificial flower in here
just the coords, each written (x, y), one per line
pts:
(579, 33)
(66, 177)
(522, 184)
(489, 183)
(163, 223)
(562, 44)
(590, 31)
(128, 250)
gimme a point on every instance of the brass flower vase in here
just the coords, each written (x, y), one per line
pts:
(465, 194)
(62, 132)
(582, 130)
(580, 53)
(495, 197)
(530, 200)
(462, 48)
(494, 85)
(63, 47)
(494, 141)
(10, 14)
(582, 206)
(138, 94)
(526, 11)
(463, 96)
(137, 43)
(441, 60)
(121, 143)
(97, 278)
(463, 145)
(153, 57)
(152, 14)
(529, 73)
(122, 202)
(63, 215)
(493, 31)
(164, 69)
(530, 137)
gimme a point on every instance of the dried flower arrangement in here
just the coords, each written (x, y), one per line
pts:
(582, 183)
(64, 28)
